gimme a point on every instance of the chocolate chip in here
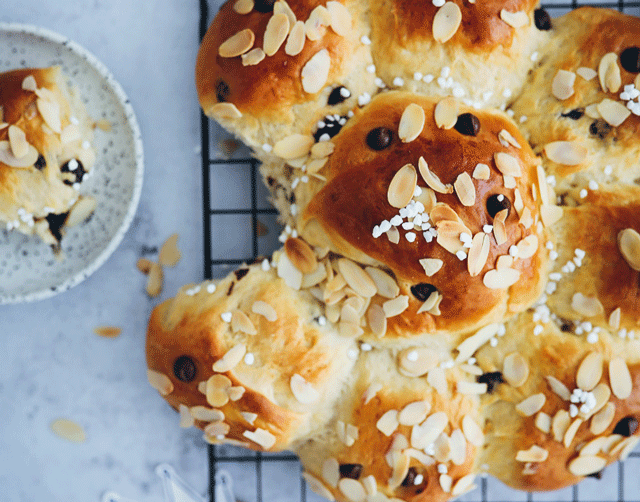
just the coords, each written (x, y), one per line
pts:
(352, 471)
(338, 95)
(630, 59)
(222, 91)
(240, 273)
(184, 369)
(264, 5)
(409, 480)
(75, 167)
(330, 126)
(600, 128)
(542, 19)
(40, 163)
(596, 475)
(566, 327)
(574, 114)
(56, 222)
(467, 124)
(423, 290)
(379, 138)
(491, 379)
(496, 203)
(626, 426)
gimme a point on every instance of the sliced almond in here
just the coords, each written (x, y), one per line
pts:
(516, 369)
(296, 39)
(586, 464)
(385, 284)
(465, 483)
(352, 489)
(446, 22)
(445, 482)
(318, 19)
(264, 309)
(614, 317)
(160, 382)
(426, 433)
(417, 361)
(186, 420)
(506, 138)
(562, 85)
(396, 306)
(318, 486)
(543, 187)
(275, 33)
(322, 150)
(261, 437)
(481, 172)
(443, 212)
(504, 261)
(301, 255)
(253, 57)
(568, 153)
(559, 425)
(107, 331)
(509, 182)
(601, 421)
(629, 245)
(609, 73)
(316, 71)
(50, 111)
(154, 280)
(499, 228)
(388, 422)
(402, 186)
(225, 111)
(571, 432)
(431, 304)
(29, 83)
(411, 123)
(81, 210)
(377, 320)
(531, 405)
(478, 254)
(169, 255)
(449, 233)
(431, 179)
(543, 422)
(414, 413)
(447, 110)
(205, 414)
(431, 265)
(550, 214)
(514, 19)
(587, 73)
(18, 142)
(533, 454)
(400, 468)
(468, 347)
(465, 189)
(237, 44)
(527, 247)
(331, 472)
(590, 371)
(501, 279)
(613, 112)
(302, 390)
(69, 430)
(282, 7)
(293, 146)
(472, 431)
(558, 388)
(217, 390)
(594, 446)
(620, 378)
(71, 133)
(507, 164)
(458, 447)
(340, 18)
(231, 358)
(588, 306)
(357, 278)
(602, 393)
(240, 322)
(243, 6)
(471, 388)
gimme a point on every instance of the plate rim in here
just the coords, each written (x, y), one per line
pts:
(131, 120)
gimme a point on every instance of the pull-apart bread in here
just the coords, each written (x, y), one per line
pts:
(458, 290)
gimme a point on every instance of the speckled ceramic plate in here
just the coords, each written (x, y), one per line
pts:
(28, 269)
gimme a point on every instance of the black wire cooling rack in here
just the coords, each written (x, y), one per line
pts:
(235, 206)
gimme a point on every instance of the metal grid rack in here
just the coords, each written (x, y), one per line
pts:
(236, 206)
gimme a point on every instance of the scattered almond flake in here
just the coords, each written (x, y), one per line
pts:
(231, 358)
(225, 111)
(340, 18)
(559, 425)
(50, 111)
(465, 189)
(70, 133)
(264, 309)
(69, 430)
(613, 112)
(543, 422)
(481, 172)
(602, 420)
(562, 85)
(370, 484)
(468, 347)
(592, 111)
(601, 394)
(316, 71)
(620, 378)
(587, 73)
(465, 483)
(402, 186)
(261, 437)
(543, 185)
(570, 434)
(170, 255)
(388, 422)
(29, 83)
(531, 405)
(629, 245)
(241, 323)
(107, 331)
(322, 150)
(205, 414)
(533, 454)
(282, 7)
(217, 390)
(609, 73)
(155, 279)
(586, 464)
(243, 6)
(471, 388)
(371, 392)
(431, 265)
(287, 271)
(237, 44)
(385, 284)
(331, 472)
(443, 212)
(527, 247)
(478, 253)
(293, 146)
(302, 390)
(414, 413)
(589, 371)
(431, 179)
(352, 489)
(417, 361)
(449, 233)
(81, 210)
(186, 420)
(568, 153)
(317, 486)
(472, 431)
(400, 470)
(445, 482)
(18, 142)
(551, 214)
(160, 382)
(296, 39)
(514, 19)
(558, 388)
(507, 137)
(318, 19)
(515, 369)
(411, 123)
(509, 181)
(431, 304)
(446, 111)
(501, 279)
(507, 164)
(301, 255)
(630, 445)
(357, 278)
(614, 319)
(275, 33)
(588, 306)
(446, 22)
(396, 306)
(253, 57)
(377, 320)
